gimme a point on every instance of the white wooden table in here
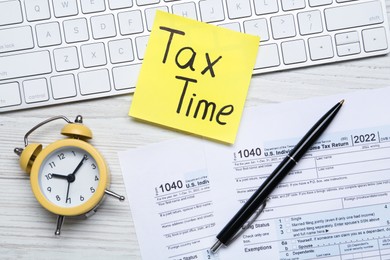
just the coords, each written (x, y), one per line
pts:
(27, 230)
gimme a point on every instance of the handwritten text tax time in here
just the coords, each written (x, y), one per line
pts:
(189, 104)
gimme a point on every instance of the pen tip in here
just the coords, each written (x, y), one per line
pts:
(342, 102)
(216, 247)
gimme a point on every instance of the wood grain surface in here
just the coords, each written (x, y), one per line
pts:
(27, 230)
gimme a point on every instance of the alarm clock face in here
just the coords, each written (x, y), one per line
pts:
(69, 177)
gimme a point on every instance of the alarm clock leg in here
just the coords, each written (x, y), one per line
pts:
(60, 221)
(115, 195)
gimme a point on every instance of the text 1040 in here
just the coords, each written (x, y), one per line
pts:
(175, 185)
(246, 153)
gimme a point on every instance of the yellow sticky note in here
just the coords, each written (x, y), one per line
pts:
(195, 77)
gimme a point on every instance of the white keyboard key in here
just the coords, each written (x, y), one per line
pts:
(37, 10)
(150, 13)
(211, 11)
(288, 5)
(141, 43)
(358, 15)
(231, 26)
(268, 56)
(63, 86)
(10, 13)
(35, 90)
(93, 55)
(63, 8)
(92, 6)
(76, 30)
(119, 4)
(130, 22)
(310, 22)
(314, 3)
(48, 34)
(26, 64)
(15, 39)
(93, 82)
(103, 26)
(348, 49)
(283, 26)
(121, 51)
(374, 39)
(257, 27)
(266, 6)
(126, 76)
(320, 47)
(66, 59)
(348, 37)
(9, 94)
(293, 52)
(238, 8)
(147, 2)
(185, 9)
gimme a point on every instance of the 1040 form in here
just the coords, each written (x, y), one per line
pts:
(333, 205)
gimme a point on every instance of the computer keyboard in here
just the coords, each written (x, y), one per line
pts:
(57, 51)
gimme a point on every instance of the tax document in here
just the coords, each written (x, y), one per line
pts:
(169, 191)
(334, 204)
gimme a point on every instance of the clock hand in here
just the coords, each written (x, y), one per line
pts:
(67, 192)
(71, 177)
(79, 165)
(59, 176)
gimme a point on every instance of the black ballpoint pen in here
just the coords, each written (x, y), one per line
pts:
(256, 203)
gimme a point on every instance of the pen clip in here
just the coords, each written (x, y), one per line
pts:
(248, 223)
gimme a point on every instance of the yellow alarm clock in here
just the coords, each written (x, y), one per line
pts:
(68, 177)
